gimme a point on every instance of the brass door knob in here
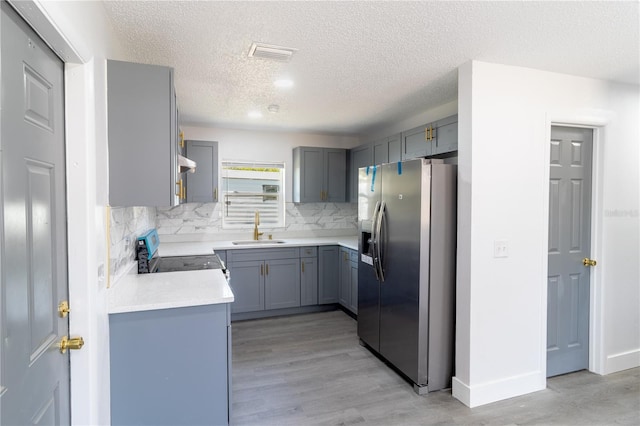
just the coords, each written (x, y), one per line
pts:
(63, 309)
(73, 343)
(588, 262)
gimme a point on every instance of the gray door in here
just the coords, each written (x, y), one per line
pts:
(35, 375)
(569, 244)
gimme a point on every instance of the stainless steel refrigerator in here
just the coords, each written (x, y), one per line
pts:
(406, 268)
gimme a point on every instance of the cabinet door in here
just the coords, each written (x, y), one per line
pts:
(308, 281)
(415, 143)
(328, 274)
(307, 174)
(154, 382)
(354, 287)
(447, 138)
(381, 151)
(335, 187)
(202, 186)
(247, 283)
(395, 148)
(141, 107)
(282, 283)
(360, 157)
(345, 278)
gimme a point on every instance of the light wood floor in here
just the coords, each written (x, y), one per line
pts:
(311, 370)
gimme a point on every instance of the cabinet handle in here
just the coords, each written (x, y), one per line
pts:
(267, 267)
(431, 132)
(181, 139)
(179, 185)
(261, 270)
(215, 194)
(345, 256)
(303, 266)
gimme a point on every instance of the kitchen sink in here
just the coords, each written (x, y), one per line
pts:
(258, 242)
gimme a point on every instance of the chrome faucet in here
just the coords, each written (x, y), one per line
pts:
(256, 222)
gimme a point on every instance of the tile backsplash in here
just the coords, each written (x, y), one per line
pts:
(127, 223)
(309, 219)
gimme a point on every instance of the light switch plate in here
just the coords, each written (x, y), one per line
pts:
(500, 248)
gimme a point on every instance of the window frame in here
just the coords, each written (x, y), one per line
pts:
(229, 169)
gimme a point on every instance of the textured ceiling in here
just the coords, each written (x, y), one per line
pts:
(363, 64)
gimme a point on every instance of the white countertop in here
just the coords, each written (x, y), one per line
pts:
(208, 247)
(164, 290)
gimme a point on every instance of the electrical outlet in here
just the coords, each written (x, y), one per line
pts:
(501, 248)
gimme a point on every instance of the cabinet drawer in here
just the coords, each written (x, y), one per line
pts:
(263, 254)
(308, 251)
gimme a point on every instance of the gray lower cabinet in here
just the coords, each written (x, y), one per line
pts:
(282, 283)
(222, 254)
(171, 366)
(349, 279)
(247, 284)
(319, 174)
(142, 117)
(202, 185)
(264, 279)
(328, 274)
(345, 277)
(353, 267)
(308, 276)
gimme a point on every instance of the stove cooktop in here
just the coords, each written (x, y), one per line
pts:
(187, 263)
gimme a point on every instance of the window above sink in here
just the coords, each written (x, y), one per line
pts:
(250, 187)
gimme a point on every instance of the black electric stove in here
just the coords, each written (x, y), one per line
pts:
(187, 263)
(150, 262)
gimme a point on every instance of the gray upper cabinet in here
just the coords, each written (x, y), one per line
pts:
(436, 138)
(319, 174)
(381, 151)
(142, 124)
(202, 186)
(417, 142)
(361, 156)
(395, 149)
(446, 135)
(387, 150)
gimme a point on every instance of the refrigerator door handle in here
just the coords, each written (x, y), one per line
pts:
(374, 238)
(378, 256)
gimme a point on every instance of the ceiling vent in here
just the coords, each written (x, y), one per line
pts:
(272, 52)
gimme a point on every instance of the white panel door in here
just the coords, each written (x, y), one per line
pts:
(35, 374)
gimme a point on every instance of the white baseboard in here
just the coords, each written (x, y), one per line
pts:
(486, 393)
(622, 361)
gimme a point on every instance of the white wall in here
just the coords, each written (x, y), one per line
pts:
(83, 28)
(252, 145)
(505, 114)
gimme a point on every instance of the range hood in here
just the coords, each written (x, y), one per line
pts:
(186, 165)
